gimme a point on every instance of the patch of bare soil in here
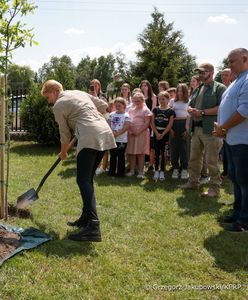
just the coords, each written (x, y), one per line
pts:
(9, 241)
(13, 211)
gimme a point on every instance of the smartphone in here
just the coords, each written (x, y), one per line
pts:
(92, 88)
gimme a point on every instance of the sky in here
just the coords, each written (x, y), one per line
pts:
(78, 28)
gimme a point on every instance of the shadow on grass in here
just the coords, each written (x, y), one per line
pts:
(63, 247)
(227, 186)
(229, 250)
(70, 160)
(193, 204)
(42, 150)
(105, 180)
(148, 184)
(167, 185)
(68, 173)
(44, 228)
(34, 149)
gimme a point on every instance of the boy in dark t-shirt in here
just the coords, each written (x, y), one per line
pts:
(162, 121)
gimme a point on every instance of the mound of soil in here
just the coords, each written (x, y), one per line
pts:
(9, 241)
(21, 213)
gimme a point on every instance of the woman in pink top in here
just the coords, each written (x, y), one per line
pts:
(138, 135)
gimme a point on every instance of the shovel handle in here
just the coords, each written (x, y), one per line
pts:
(72, 142)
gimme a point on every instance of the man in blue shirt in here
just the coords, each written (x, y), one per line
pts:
(233, 123)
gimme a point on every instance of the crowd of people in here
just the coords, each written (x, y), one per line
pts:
(135, 126)
(177, 121)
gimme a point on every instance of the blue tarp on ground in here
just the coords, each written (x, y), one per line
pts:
(29, 238)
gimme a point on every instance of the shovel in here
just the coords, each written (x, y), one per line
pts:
(31, 195)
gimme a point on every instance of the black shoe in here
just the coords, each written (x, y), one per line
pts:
(91, 233)
(78, 223)
(237, 227)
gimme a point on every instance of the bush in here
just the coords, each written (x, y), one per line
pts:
(38, 119)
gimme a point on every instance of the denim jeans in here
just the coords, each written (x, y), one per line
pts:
(238, 173)
(87, 163)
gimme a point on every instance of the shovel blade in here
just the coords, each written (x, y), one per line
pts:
(25, 199)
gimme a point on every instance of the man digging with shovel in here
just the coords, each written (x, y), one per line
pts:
(80, 112)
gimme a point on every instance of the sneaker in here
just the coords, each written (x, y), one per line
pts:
(237, 227)
(189, 186)
(156, 175)
(130, 173)
(204, 180)
(141, 176)
(184, 174)
(99, 171)
(211, 193)
(175, 174)
(161, 176)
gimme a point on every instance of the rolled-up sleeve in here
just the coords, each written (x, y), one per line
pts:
(243, 100)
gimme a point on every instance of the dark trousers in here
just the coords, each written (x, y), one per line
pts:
(159, 146)
(87, 163)
(238, 173)
(179, 146)
(117, 159)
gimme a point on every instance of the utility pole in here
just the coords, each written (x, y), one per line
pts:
(4, 204)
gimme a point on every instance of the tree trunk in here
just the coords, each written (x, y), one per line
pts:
(4, 204)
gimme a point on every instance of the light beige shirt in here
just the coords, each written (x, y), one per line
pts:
(78, 112)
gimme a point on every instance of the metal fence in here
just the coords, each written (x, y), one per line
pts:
(16, 99)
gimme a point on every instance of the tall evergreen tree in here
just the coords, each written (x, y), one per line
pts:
(163, 55)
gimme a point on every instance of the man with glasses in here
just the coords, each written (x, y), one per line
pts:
(203, 109)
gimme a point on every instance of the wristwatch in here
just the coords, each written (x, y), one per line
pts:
(203, 113)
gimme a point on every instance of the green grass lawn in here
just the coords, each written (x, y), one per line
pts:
(158, 241)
